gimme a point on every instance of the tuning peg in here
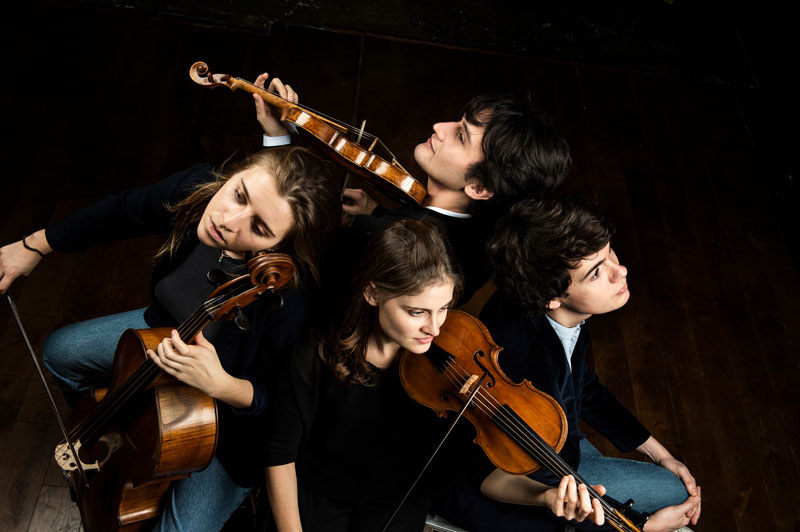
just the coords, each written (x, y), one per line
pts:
(275, 300)
(241, 321)
(216, 277)
(627, 506)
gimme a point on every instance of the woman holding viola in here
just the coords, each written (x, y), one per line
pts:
(345, 440)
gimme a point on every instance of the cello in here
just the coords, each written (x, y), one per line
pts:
(341, 141)
(148, 429)
(520, 428)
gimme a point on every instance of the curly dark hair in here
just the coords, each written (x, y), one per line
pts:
(403, 258)
(522, 154)
(537, 243)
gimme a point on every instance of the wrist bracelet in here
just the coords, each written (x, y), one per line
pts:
(29, 248)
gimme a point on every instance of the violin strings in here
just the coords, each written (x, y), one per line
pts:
(350, 129)
(527, 438)
(336, 121)
(532, 443)
(540, 450)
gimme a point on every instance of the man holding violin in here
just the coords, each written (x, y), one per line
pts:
(554, 268)
(498, 152)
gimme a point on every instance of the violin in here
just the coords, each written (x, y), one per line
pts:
(520, 428)
(341, 141)
(149, 429)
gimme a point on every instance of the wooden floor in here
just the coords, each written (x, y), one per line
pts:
(705, 353)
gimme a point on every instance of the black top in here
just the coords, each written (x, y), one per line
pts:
(252, 356)
(352, 443)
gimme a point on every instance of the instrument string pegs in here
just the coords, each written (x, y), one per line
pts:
(216, 277)
(241, 321)
(275, 300)
(627, 506)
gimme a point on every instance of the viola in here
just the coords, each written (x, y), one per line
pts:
(350, 147)
(149, 429)
(520, 428)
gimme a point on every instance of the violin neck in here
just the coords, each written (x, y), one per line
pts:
(529, 440)
(510, 423)
(270, 97)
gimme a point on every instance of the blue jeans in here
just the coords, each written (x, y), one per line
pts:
(80, 355)
(650, 486)
(203, 502)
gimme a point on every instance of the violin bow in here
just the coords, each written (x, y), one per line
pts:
(467, 403)
(46, 387)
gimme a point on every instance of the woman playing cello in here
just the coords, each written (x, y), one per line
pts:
(279, 199)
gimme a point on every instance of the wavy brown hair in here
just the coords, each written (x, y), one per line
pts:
(301, 178)
(403, 258)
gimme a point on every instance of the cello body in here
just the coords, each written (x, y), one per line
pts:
(130, 441)
(165, 433)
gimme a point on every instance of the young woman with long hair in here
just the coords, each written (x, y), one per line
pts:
(280, 199)
(345, 439)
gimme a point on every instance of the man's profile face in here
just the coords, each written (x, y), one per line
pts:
(447, 155)
(599, 285)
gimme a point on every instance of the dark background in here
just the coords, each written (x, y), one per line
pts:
(681, 118)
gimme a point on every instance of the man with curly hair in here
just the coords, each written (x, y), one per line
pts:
(554, 267)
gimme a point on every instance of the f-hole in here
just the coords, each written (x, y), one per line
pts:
(476, 357)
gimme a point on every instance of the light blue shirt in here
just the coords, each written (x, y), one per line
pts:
(568, 336)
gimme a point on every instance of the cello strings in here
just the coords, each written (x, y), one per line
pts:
(148, 369)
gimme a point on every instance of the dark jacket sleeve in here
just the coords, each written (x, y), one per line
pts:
(278, 332)
(294, 405)
(131, 213)
(604, 413)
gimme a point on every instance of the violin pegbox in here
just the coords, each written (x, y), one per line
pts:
(201, 74)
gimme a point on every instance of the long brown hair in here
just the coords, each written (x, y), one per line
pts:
(300, 177)
(403, 258)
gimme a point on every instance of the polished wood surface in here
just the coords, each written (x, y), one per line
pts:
(706, 351)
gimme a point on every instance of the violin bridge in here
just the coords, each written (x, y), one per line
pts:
(396, 163)
(467, 385)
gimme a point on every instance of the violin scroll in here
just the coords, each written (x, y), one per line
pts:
(201, 74)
